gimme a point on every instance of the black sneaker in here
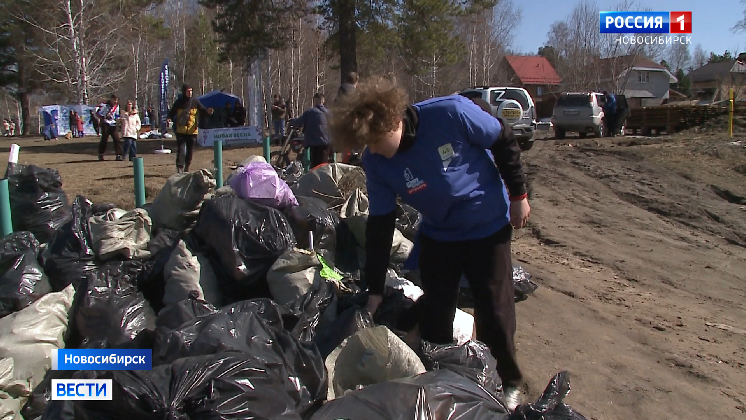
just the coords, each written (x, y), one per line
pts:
(119, 158)
(100, 158)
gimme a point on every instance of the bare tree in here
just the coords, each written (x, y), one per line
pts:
(699, 58)
(486, 35)
(678, 57)
(79, 43)
(578, 44)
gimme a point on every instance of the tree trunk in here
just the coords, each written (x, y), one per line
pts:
(24, 99)
(76, 51)
(296, 88)
(347, 42)
(268, 93)
(83, 61)
(230, 74)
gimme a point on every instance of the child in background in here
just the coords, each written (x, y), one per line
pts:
(79, 121)
(130, 126)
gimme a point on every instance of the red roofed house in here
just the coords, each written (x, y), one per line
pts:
(531, 72)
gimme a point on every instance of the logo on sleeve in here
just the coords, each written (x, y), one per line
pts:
(413, 184)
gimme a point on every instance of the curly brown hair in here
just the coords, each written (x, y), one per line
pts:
(363, 117)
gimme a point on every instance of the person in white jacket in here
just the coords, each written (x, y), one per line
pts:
(130, 128)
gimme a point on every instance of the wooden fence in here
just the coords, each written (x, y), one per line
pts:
(674, 118)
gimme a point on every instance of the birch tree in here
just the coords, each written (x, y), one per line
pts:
(80, 41)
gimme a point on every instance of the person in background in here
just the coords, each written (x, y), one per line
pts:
(130, 126)
(94, 121)
(349, 83)
(315, 132)
(432, 155)
(153, 120)
(185, 114)
(239, 114)
(146, 118)
(278, 117)
(14, 128)
(6, 127)
(73, 124)
(610, 114)
(109, 115)
(289, 111)
(80, 123)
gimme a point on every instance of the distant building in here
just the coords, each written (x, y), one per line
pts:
(712, 82)
(531, 72)
(643, 81)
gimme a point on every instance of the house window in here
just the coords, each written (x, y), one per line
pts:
(643, 76)
(539, 90)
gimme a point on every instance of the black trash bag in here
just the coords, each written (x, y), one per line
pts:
(108, 311)
(348, 323)
(228, 386)
(246, 238)
(433, 395)
(522, 283)
(550, 405)
(471, 360)
(37, 202)
(69, 256)
(22, 280)
(396, 311)
(408, 221)
(313, 310)
(175, 315)
(252, 326)
(347, 257)
(313, 215)
(41, 396)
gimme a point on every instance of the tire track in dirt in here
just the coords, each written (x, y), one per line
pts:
(626, 248)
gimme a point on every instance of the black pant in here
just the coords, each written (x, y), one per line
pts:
(319, 155)
(106, 131)
(184, 147)
(487, 265)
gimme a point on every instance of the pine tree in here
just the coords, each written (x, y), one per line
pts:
(425, 27)
(249, 28)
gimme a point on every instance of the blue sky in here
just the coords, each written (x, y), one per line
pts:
(712, 21)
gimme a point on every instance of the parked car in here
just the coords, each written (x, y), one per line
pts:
(583, 112)
(514, 105)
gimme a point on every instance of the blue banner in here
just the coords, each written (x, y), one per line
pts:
(163, 97)
(102, 359)
(635, 22)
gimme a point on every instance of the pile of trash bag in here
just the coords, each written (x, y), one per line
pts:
(23, 281)
(37, 202)
(250, 298)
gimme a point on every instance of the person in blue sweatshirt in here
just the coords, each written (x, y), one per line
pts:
(315, 135)
(433, 156)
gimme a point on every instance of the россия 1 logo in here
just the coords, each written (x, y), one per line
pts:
(646, 22)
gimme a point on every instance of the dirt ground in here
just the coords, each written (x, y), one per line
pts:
(638, 245)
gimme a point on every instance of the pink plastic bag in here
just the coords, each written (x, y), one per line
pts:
(258, 182)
